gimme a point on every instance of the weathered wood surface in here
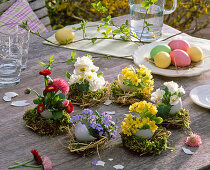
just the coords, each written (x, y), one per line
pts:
(16, 140)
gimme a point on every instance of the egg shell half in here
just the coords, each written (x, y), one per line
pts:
(162, 59)
(158, 49)
(179, 44)
(195, 53)
(180, 58)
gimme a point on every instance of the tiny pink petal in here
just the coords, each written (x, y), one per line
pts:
(47, 163)
(193, 140)
(62, 85)
(65, 103)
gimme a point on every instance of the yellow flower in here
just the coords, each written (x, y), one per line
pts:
(153, 110)
(137, 123)
(153, 126)
(145, 120)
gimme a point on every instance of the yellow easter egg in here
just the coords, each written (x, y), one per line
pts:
(64, 36)
(162, 59)
(195, 53)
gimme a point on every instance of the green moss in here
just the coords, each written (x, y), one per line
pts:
(126, 98)
(177, 121)
(87, 99)
(152, 146)
(48, 127)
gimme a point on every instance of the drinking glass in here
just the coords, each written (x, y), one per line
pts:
(139, 16)
(11, 43)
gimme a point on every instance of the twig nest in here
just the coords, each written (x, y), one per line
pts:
(125, 88)
(176, 108)
(144, 133)
(47, 114)
(82, 133)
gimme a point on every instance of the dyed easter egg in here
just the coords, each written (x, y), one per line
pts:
(64, 36)
(180, 58)
(162, 60)
(179, 44)
(158, 49)
(195, 53)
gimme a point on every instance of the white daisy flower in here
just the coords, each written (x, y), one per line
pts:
(172, 87)
(157, 95)
(174, 100)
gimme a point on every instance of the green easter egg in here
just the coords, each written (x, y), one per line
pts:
(159, 48)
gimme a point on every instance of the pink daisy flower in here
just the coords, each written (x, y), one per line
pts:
(65, 103)
(193, 140)
(62, 85)
(47, 163)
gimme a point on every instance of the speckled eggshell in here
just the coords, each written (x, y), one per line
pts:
(179, 44)
(195, 53)
(162, 59)
(180, 58)
(158, 49)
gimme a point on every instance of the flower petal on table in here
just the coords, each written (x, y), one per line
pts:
(118, 167)
(100, 163)
(187, 151)
(20, 103)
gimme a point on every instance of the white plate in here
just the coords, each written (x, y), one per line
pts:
(144, 52)
(201, 96)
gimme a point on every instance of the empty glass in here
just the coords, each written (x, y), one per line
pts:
(11, 51)
(154, 16)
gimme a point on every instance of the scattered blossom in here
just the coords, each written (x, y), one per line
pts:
(193, 140)
(45, 72)
(37, 157)
(62, 85)
(47, 163)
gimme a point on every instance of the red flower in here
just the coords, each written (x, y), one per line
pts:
(62, 85)
(45, 72)
(65, 103)
(69, 108)
(40, 108)
(51, 88)
(47, 163)
(37, 157)
(27, 91)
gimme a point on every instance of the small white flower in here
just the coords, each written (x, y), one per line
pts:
(181, 90)
(157, 95)
(172, 87)
(174, 100)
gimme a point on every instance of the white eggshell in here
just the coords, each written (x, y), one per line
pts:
(82, 133)
(20, 103)
(124, 87)
(7, 99)
(144, 133)
(11, 94)
(47, 114)
(176, 108)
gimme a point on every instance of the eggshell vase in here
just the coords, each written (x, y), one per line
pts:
(176, 108)
(125, 88)
(82, 133)
(144, 133)
(47, 114)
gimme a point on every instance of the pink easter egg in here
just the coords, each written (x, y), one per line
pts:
(179, 44)
(180, 58)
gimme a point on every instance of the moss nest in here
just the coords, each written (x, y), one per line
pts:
(126, 98)
(177, 121)
(86, 148)
(152, 146)
(48, 127)
(88, 99)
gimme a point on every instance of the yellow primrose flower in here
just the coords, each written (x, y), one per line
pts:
(138, 123)
(153, 126)
(145, 120)
(153, 110)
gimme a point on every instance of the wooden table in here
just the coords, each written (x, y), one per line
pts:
(16, 140)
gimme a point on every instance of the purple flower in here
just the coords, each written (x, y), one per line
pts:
(75, 118)
(87, 111)
(101, 133)
(94, 162)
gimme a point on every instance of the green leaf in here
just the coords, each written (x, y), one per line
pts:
(36, 101)
(42, 64)
(57, 115)
(100, 74)
(56, 98)
(106, 25)
(51, 60)
(98, 29)
(68, 75)
(84, 87)
(107, 57)
(93, 40)
(73, 53)
(61, 96)
(163, 111)
(108, 30)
